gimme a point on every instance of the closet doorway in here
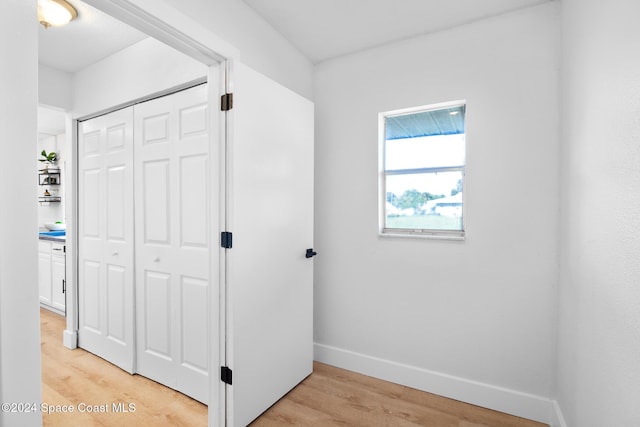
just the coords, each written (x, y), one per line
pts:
(144, 239)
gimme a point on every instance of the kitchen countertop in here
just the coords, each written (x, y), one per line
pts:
(45, 236)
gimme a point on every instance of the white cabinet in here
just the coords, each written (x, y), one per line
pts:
(51, 275)
(44, 272)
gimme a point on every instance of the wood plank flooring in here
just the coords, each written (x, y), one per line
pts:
(336, 397)
(77, 377)
(328, 397)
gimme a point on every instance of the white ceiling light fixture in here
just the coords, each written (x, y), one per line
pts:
(55, 13)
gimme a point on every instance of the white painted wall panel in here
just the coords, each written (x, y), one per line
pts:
(19, 325)
(142, 69)
(481, 309)
(599, 345)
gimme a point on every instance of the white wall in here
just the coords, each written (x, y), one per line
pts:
(261, 47)
(54, 87)
(599, 338)
(19, 325)
(431, 313)
(140, 70)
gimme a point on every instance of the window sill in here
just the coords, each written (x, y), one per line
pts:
(390, 233)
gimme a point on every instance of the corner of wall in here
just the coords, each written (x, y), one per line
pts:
(557, 418)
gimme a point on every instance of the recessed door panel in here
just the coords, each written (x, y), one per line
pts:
(116, 286)
(155, 129)
(117, 214)
(155, 192)
(90, 144)
(91, 196)
(90, 276)
(193, 121)
(116, 137)
(157, 314)
(195, 314)
(193, 204)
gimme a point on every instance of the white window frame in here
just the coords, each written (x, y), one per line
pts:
(383, 173)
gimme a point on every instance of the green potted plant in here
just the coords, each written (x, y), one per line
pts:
(49, 160)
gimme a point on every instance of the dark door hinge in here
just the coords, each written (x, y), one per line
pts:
(226, 102)
(226, 239)
(225, 375)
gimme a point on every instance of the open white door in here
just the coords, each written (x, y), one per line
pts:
(270, 280)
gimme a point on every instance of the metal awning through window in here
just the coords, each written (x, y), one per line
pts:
(445, 121)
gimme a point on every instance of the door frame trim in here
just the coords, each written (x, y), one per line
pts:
(170, 26)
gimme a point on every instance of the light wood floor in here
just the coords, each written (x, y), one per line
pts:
(328, 397)
(75, 377)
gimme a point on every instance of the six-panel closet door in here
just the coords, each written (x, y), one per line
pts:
(105, 237)
(144, 239)
(173, 240)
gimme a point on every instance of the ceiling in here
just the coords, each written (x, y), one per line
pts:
(320, 29)
(89, 38)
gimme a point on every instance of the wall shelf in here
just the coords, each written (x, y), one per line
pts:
(45, 200)
(49, 178)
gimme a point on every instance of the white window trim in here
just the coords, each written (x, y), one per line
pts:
(382, 191)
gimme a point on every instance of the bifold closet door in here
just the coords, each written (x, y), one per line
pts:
(105, 237)
(173, 240)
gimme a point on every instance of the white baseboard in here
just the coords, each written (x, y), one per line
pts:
(70, 339)
(501, 399)
(558, 418)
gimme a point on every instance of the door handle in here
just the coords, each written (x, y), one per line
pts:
(310, 253)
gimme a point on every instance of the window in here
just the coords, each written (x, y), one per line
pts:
(422, 161)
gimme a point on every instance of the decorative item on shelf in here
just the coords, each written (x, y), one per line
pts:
(49, 177)
(50, 195)
(49, 161)
(55, 226)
